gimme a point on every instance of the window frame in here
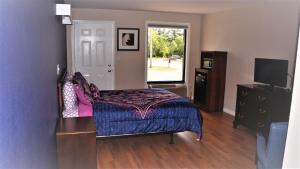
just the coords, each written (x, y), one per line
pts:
(185, 28)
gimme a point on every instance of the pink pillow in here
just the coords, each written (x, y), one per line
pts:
(85, 107)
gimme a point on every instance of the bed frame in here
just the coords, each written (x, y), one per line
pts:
(60, 82)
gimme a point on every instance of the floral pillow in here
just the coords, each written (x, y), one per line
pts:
(95, 93)
(70, 101)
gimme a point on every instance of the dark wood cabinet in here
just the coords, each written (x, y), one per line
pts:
(259, 105)
(76, 143)
(210, 80)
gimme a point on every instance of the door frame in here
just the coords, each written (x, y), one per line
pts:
(113, 43)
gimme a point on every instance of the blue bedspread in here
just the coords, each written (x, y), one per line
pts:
(121, 112)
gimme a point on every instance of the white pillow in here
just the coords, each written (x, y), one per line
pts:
(70, 100)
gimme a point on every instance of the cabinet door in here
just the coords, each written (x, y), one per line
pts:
(200, 87)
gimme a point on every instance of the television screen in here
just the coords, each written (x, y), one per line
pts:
(271, 71)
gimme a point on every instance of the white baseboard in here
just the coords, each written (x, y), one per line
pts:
(229, 111)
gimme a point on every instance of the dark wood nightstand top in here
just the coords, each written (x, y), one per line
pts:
(77, 125)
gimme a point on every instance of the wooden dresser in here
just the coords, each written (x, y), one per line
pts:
(76, 143)
(257, 106)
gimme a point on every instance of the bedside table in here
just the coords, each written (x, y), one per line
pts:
(76, 143)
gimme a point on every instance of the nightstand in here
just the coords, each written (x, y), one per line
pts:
(76, 143)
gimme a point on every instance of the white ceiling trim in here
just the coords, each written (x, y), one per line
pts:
(180, 6)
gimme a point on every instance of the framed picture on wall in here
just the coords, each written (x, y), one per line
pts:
(128, 39)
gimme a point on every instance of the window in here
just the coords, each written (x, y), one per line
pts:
(166, 54)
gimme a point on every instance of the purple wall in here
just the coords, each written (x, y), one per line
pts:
(32, 43)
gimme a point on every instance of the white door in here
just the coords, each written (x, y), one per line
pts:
(93, 52)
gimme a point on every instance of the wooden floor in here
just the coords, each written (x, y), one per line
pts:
(221, 147)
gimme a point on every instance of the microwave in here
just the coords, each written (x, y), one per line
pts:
(207, 63)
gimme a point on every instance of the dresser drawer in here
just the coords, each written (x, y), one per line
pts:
(243, 93)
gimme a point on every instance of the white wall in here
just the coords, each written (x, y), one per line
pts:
(266, 30)
(130, 65)
(292, 149)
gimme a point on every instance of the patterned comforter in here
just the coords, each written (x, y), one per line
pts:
(121, 112)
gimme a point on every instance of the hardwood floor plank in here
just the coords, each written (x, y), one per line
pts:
(221, 147)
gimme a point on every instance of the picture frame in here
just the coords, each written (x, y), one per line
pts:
(128, 39)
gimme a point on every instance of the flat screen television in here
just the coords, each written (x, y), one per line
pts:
(271, 71)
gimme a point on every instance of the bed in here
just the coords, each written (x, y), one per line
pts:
(143, 111)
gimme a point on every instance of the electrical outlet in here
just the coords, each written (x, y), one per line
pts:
(57, 69)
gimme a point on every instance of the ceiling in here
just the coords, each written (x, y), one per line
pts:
(182, 6)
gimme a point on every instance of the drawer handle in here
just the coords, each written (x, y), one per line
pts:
(242, 103)
(260, 124)
(261, 111)
(244, 93)
(241, 116)
(261, 98)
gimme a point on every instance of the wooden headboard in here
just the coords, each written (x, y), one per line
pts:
(60, 82)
